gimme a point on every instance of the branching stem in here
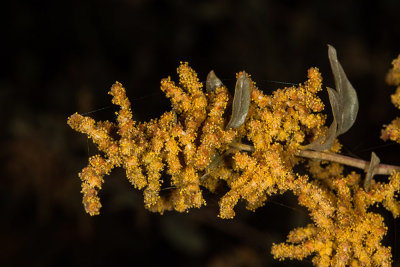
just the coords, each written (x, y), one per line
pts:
(380, 169)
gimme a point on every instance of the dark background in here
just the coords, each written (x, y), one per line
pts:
(59, 57)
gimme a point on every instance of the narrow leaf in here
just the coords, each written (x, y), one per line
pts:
(347, 95)
(216, 161)
(241, 102)
(324, 142)
(371, 171)
(334, 100)
(212, 82)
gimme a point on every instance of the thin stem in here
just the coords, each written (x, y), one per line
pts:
(243, 147)
(383, 169)
(380, 169)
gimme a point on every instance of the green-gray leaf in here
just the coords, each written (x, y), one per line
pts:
(370, 172)
(241, 102)
(212, 82)
(324, 142)
(348, 101)
(344, 104)
(334, 100)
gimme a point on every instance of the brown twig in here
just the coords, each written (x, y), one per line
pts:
(380, 169)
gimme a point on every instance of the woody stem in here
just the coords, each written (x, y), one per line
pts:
(383, 169)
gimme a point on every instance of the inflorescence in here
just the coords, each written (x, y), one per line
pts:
(246, 149)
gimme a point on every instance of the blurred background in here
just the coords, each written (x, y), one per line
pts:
(61, 57)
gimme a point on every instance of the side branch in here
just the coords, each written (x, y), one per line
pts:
(380, 169)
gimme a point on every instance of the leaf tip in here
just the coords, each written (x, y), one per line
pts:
(212, 81)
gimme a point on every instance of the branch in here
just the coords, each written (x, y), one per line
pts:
(380, 169)
(383, 169)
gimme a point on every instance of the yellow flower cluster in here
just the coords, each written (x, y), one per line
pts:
(181, 141)
(344, 232)
(276, 125)
(392, 131)
(191, 148)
